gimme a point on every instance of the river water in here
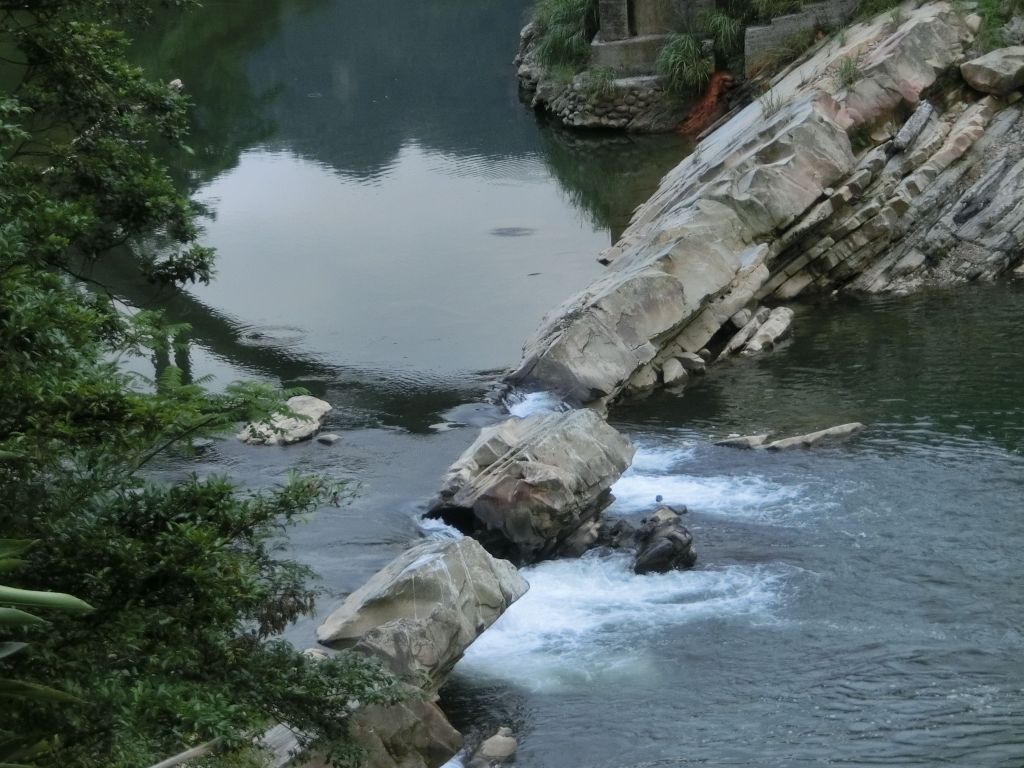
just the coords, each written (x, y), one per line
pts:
(392, 224)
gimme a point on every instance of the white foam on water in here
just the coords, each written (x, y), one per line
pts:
(523, 404)
(747, 496)
(650, 459)
(592, 619)
(437, 530)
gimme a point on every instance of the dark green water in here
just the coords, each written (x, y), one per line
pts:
(392, 224)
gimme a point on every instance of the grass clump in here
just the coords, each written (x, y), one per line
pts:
(847, 72)
(599, 83)
(684, 65)
(564, 29)
(771, 102)
(725, 30)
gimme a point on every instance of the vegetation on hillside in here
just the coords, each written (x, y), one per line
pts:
(186, 582)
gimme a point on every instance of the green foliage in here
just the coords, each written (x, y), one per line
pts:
(564, 29)
(725, 30)
(684, 65)
(187, 581)
(994, 14)
(847, 72)
(26, 744)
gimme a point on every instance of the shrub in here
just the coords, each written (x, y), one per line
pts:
(564, 29)
(684, 65)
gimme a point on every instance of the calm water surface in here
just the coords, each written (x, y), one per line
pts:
(392, 224)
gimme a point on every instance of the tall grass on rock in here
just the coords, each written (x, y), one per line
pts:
(564, 29)
(684, 65)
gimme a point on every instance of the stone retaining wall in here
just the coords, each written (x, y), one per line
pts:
(761, 41)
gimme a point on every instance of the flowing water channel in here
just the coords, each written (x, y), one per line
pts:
(392, 224)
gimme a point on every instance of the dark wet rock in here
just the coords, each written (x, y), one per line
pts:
(663, 543)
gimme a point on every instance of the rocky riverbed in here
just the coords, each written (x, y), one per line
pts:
(904, 176)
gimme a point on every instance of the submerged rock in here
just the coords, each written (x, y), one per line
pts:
(282, 430)
(663, 543)
(499, 748)
(746, 441)
(999, 72)
(813, 438)
(422, 610)
(526, 485)
(799, 441)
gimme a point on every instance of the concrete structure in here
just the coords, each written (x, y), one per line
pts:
(759, 42)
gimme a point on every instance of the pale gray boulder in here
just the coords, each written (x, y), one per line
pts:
(998, 72)
(421, 611)
(282, 430)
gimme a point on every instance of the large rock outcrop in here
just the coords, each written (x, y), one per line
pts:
(814, 188)
(525, 486)
(421, 611)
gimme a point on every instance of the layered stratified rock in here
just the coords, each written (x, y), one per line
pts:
(777, 203)
(527, 485)
(421, 611)
(690, 260)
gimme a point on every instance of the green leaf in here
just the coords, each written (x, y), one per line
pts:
(9, 649)
(12, 617)
(11, 548)
(19, 689)
(56, 600)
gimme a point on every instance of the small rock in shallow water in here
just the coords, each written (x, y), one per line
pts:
(497, 749)
(281, 430)
(328, 439)
(663, 543)
(813, 438)
(746, 441)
